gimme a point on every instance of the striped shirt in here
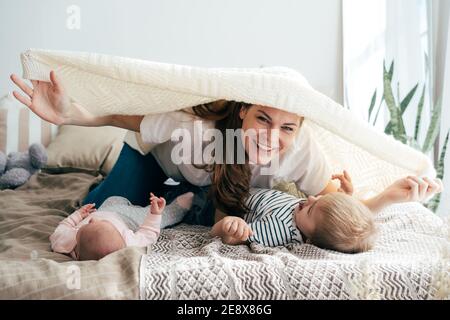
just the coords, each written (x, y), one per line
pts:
(271, 217)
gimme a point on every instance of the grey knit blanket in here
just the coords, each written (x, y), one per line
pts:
(410, 260)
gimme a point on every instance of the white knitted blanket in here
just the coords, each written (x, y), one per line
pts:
(410, 260)
(115, 85)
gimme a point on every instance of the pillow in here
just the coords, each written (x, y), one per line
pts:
(94, 149)
(290, 188)
(20, 127)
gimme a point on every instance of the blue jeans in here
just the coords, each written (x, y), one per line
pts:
(135, 175)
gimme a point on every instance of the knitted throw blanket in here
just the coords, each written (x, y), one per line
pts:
(115, 85)
(409, 261)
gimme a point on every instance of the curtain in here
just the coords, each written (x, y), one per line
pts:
(386, 30)
(443, 41)
(415, 35)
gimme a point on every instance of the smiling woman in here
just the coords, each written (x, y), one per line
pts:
(271, 131)
(271, 139)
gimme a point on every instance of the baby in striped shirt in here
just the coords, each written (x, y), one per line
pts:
(336, 221)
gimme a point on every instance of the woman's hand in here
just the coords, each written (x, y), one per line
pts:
(50, 102)
(346, 185)
(412, 188)
(157, 205)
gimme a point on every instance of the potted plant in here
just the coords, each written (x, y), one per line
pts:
(396, 127)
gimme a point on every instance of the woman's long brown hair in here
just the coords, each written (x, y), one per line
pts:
(230, 182)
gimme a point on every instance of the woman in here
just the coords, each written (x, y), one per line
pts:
(135, 175)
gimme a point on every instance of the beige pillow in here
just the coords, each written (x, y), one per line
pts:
(290, 188)
(87, 148)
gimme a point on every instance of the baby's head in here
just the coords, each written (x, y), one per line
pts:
(97, 239)
(336, 221)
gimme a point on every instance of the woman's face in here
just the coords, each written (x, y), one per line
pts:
(268, 132)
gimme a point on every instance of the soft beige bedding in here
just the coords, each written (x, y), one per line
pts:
(28, 268)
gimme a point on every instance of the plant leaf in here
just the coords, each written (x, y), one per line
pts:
(403, 105)
(441, 163)
(419, 114)
(434, 202)
(372, 104)
(433, 130)
(405, 102)
(398, 129)
(391, 71)
(378, 111)
(427, 64)
(398, 91)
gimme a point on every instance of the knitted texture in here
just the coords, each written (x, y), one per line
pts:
(410, 260)
(106, 84)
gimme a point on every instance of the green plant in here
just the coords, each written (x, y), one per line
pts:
(434, 203)
(396, 127)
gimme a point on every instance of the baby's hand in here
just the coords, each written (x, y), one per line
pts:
(235, 229)
(87, 209)
(346, 185)
(157, 205)
(413, 188)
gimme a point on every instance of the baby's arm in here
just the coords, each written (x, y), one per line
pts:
(63, 239)
(149, 231)
(408, 189)
(232, 230)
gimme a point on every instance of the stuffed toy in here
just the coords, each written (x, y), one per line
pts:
(18, 167)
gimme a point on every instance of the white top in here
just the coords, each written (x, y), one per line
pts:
(304, 163)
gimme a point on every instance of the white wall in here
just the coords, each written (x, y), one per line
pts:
(302, 34)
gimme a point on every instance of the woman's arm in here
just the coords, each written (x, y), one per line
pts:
(126, 122)
(50, 102)
(81, 117)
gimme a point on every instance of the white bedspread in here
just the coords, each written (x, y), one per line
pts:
(410, 260)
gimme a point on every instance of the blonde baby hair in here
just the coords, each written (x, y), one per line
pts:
(344, 224)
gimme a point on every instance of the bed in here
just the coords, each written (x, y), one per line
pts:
(28, 268)
(410, 259)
